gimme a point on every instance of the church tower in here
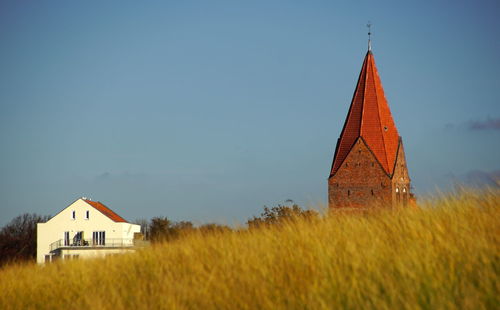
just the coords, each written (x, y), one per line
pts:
(369, 165)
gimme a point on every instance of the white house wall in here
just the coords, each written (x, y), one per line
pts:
(53, 230)
(92, 253)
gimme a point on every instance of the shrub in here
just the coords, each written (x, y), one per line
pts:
(280, 214)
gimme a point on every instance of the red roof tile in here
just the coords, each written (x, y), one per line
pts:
(369, 117)
(105, 210)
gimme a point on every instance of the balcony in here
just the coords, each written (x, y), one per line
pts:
(94, 244)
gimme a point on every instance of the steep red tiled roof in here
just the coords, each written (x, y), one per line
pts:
(369, 117)
(105, 210)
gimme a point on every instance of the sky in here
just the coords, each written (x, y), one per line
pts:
(208, 110)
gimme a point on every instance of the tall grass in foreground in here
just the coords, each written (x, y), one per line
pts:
(444, 255)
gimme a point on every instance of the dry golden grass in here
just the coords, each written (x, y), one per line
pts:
(444, 255)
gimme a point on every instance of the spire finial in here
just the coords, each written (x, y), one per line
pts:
(369, 25)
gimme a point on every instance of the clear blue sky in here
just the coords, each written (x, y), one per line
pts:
(209, 110)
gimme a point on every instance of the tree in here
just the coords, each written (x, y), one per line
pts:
(159, 228)
(281, 214)
(213, 228)
(145, 227)
(18, 238)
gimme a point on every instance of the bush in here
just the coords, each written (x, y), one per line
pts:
(280, 214)
(18, 238)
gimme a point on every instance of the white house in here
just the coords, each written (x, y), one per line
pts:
(83, 229)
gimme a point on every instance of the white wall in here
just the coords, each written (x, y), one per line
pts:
(53, 230)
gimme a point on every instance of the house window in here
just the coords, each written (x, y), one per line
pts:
(73, 215)
(372, 192)
(78, 239)
(66, 238)
(348, 193)
(87, 214)
(99, 238)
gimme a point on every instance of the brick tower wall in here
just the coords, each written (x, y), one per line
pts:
(401, 183)
(360, 182)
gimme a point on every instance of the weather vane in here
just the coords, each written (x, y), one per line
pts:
(369, 25)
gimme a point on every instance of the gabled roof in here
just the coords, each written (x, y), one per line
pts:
(369, 117)
(105, 210)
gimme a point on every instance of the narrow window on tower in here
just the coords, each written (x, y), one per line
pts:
(73, 215)
(372, 192)
(348, 193)
(372, 164)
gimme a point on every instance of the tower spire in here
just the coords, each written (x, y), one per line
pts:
(369, 25)
(370, 118)
(369, 166)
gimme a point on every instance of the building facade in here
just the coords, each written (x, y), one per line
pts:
(83, 229)
(369, 166)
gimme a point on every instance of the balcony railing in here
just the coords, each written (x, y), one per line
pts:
(90, 243)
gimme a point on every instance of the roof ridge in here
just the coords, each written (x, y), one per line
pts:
(99, 206)
(373, 71)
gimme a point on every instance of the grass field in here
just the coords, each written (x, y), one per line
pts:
(443, 255)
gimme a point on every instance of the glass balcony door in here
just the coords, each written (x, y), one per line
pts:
(99, 237)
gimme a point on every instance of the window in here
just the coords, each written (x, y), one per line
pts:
(348, 193)
(66, 238)
(78, 239)
(73, 215)
(372, 192)
(87, 214)
(99, 238)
